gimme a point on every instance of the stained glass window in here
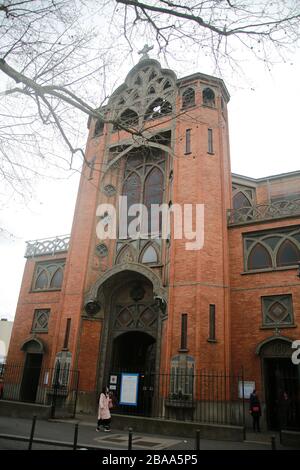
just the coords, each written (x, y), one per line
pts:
(48, 275)
(259, 258)
(144, 184)
(288, 254)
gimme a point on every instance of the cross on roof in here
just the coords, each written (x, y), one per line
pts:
(145, 51)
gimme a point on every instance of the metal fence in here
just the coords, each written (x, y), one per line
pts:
(206, 397)
(57, 387)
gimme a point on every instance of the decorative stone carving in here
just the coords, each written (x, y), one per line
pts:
(102, 250)
(92, 307)
(137, 292)
(109, 190)
(158, 289)
(136, 316)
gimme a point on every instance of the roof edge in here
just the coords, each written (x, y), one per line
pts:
(266, 178)
(203, 76)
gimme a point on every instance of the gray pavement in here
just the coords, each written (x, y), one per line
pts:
(63, 431)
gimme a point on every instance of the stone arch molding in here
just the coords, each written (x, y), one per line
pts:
(271, 340)
(33, 345)
(144, 83)
(96, 295)
(134, 142)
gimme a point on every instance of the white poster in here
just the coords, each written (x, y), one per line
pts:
(129, 389)
(249, 386)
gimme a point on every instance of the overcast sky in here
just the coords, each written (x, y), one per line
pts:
(264, 139)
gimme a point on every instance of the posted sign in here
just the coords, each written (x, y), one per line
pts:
(129, 389)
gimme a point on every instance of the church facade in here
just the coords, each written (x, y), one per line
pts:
(108, 306)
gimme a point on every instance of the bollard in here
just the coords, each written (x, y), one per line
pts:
(75, 437)
(273, 443)
(198, 439)
(129, 438)
(32, 433)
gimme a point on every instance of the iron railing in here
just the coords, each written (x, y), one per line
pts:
(204, 397)
(273, 210)
(47, 246)
(54, 387)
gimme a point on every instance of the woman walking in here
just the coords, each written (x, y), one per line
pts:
(104, 416)
(255, 410)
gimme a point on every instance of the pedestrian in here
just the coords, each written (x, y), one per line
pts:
(284, 410)
(1, 388)
(104, 416)
(255, 410)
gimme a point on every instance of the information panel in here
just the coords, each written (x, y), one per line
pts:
(249, 386)
(129, 389)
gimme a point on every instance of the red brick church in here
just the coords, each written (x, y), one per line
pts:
(148, 306)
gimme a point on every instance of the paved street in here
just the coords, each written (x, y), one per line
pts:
(117, 439)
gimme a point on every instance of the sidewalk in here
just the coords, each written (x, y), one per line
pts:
(63, 431)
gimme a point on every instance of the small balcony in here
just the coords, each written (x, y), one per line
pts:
(263, 212)
(47, 246)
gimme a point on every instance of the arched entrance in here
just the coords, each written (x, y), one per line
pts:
(134, 353)
(280, 376)
(130, 341)
(34, 350)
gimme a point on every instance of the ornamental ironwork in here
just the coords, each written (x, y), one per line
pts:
(260, 212)
(47, 246)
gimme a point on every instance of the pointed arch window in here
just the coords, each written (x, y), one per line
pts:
(150, 255)
(208, 97)
(129, 118)
(57, 278)
(259, 258)
(159, 108)
(240, 200)
(188, 98)
(99, 127)
(288, 254)
(153, 194)
(132, 189)
(42, 280)
(144, 184)
(48, 275)
(272, 248)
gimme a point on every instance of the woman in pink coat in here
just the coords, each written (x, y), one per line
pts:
(104, 417)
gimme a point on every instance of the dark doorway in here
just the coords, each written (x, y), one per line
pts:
(281, 375)
(134, 352)
(31, 375)
(131, 351)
